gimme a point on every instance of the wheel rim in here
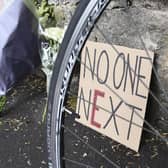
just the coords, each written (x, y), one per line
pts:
(58, 127)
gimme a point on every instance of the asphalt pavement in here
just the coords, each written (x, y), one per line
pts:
(22, 129)
(23, 134)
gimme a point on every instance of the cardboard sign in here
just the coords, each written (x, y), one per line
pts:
(112, 91)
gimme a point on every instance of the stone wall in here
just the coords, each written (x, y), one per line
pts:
(142, 25)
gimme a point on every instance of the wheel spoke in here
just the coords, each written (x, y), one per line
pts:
(136, 113)
(77, 163)
(61, 121)
(90, 147)
(152, 130)
(72, 113)
(151, 93)
(146, 50)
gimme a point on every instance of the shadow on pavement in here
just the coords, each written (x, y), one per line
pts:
(22, 131)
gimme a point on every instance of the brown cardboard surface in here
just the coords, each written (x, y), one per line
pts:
(113, 82)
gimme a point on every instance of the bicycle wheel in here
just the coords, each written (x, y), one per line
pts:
(74, 145)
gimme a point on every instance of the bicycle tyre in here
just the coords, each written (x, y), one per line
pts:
(82, 22)
(83, 10)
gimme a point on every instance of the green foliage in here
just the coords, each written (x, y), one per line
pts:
(45, 12)
(71, 102)
(2, 102)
